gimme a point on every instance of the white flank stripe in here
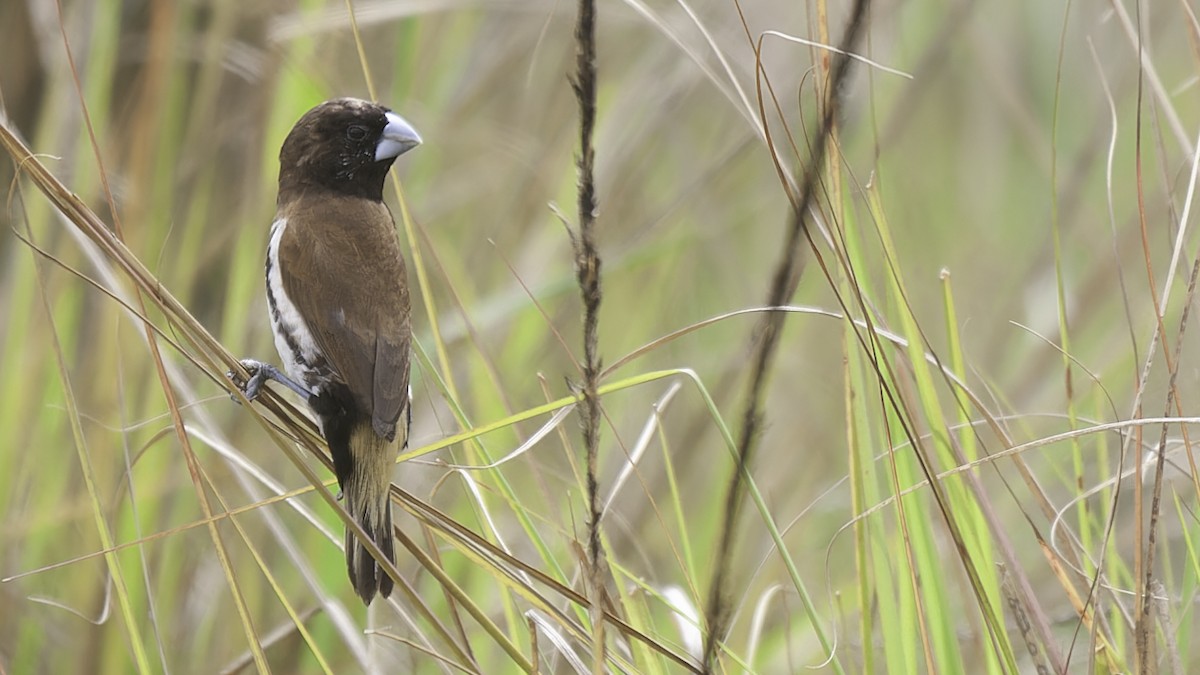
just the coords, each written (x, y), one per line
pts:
(289, 322)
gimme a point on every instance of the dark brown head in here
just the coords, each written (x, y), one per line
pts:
(345, 145)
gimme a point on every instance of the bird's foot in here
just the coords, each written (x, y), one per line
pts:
(259, 374)
(253, 385)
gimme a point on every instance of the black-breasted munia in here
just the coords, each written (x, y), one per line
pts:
(339, 305)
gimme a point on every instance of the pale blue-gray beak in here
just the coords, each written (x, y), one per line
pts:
(398, 138)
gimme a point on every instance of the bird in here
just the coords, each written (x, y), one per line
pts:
(337, 294)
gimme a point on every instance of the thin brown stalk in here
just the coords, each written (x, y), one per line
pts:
(1142, 629)
(783, 285)
(587, 270)
(1145, 619)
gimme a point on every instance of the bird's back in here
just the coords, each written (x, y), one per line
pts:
(340, 262)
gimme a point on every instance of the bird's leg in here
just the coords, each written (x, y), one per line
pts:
(259, 374)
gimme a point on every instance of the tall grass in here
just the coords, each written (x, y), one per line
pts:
(960, 468)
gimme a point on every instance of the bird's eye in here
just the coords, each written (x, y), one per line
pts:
(356, 132)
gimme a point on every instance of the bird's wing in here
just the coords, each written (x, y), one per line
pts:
(351, 274)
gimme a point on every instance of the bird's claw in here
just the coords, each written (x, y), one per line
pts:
(259, 374)
(251, 387)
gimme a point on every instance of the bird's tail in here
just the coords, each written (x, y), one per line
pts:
(365, 490)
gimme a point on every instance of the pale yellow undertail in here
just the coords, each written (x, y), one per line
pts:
(365, 494)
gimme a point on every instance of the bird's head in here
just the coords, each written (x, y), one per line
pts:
(346, 145)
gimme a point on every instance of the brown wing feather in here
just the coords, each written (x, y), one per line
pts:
(351, 285)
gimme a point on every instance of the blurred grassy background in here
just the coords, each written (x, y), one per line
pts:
(995, 147)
